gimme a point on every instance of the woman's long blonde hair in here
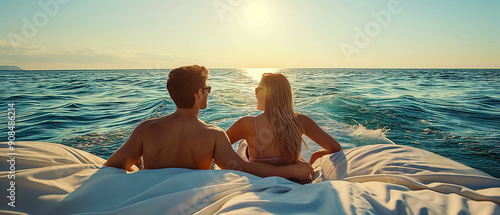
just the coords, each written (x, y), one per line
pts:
(282, 116)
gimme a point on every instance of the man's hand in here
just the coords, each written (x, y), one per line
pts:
(303, 171)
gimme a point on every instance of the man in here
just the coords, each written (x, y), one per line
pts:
(182, 140)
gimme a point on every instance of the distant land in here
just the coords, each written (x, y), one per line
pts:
(10, 68)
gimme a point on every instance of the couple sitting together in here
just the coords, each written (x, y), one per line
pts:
(182, 140)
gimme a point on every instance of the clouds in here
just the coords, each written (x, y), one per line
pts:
(7, 48)
(32, 56)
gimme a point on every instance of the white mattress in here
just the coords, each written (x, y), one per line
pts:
(374, 179)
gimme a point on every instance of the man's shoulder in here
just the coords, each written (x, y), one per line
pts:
(146, 125)
(213, 129)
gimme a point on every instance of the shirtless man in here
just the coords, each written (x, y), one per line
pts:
(182, 140)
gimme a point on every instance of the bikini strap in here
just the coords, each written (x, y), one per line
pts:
(257, 136)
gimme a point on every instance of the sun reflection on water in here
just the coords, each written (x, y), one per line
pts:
(256, 73)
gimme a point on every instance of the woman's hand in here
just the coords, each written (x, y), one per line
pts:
(133, 168)
(317, 155)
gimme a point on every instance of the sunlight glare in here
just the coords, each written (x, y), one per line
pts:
(257, 14)
(256, 73)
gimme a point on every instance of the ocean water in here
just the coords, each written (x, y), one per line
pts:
(451, 112)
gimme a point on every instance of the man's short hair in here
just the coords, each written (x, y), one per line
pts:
(184, 82)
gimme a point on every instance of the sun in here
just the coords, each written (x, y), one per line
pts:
(257, 14)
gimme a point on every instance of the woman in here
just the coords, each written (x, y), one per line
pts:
(275, 136)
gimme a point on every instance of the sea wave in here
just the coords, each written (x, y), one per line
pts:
(451, 112)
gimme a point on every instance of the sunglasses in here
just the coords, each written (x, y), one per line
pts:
(208, 88)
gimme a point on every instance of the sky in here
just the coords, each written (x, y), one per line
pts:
(158, 34)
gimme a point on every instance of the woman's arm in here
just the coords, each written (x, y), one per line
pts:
(318, 154)
(318, 135)
(239, 129)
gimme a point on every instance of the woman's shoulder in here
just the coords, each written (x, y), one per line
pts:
(247, 118)
(302, 116)
(304, 119)
(245, 122)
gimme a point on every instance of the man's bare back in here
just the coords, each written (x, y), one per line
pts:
(172, 141)
(177, 140)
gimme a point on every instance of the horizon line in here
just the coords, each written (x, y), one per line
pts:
(256, 68)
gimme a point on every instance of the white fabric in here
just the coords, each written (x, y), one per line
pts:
(411, 167)
(378, 179)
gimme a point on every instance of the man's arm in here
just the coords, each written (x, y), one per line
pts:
(129, 152)
(226, 158)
